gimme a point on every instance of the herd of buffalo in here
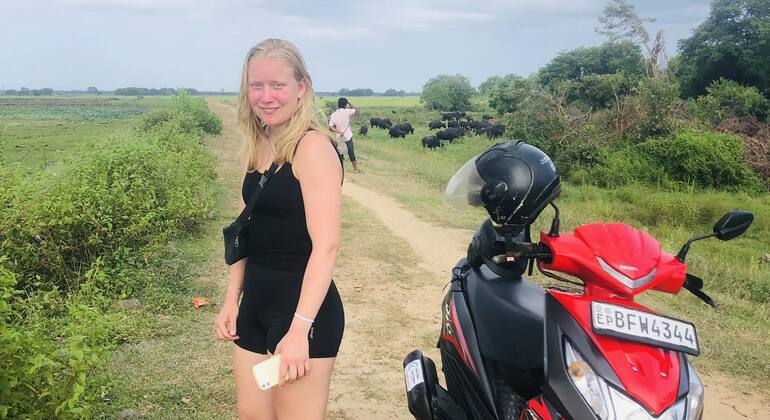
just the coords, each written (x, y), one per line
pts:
(451, 126)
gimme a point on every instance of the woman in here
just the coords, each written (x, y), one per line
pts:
(289, 303)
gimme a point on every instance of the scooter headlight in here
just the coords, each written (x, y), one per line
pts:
(607, 402)
(695, 397)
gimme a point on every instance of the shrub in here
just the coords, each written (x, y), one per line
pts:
(187, 112)
(655, 101)
(117, 201)
(704, 159)
(50, 348)
(729, 99)
(707, 160)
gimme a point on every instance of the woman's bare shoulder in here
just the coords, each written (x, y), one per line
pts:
(313, 142)
(315, 152)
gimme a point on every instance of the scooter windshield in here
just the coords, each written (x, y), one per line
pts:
(464, 189)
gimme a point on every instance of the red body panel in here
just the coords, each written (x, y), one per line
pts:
(649, 374)
(631, 253)
(617, 262)
(537, 407)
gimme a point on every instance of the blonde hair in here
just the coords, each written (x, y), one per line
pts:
(307, 115)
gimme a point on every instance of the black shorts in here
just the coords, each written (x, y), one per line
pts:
(267, 310)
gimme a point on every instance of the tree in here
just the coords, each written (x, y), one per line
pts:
(393, 92)
(493, 82)
(11, 92)
(92, 90)
(508, 93)
(733, 42)
(42, 92)
(620, 22)
(609, 58)
(447, 93)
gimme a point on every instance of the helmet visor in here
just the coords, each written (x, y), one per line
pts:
(464, 189)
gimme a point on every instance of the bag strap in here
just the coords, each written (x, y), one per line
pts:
(246, 213)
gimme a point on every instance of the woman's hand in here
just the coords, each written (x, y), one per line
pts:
(225, 321)
(295, 354)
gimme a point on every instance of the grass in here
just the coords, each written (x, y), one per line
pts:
(40, 132)
(733, 338)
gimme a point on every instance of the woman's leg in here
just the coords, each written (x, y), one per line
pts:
(253, 403)
(306, 398)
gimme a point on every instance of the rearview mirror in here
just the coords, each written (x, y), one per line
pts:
(733, 224)
(728, 227)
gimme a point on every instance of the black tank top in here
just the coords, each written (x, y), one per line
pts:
(277, 232)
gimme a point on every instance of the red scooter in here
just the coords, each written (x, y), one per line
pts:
(513, 350)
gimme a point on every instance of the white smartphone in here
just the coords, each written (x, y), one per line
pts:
(266, 372)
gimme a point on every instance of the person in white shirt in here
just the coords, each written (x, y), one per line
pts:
(339, 122)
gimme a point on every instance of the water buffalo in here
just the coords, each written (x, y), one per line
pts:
(496, 131)
(382, 123)
(431, 142)
(394, 132)
(435, 124)
(406, 128)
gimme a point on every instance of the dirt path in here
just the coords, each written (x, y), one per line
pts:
(390, 272)
(440, 247)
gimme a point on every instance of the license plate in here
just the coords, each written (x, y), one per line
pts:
(644, 327)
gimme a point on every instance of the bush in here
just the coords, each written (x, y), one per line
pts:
(655, 102)
(50, 349)
(598, 91)
(707, 160)
(704, 159)
(187, 112)
(115, 202)
(728, 99)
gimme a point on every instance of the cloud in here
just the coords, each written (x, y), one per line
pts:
(315, 28)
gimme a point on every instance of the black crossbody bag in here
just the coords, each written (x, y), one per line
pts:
(235, 234)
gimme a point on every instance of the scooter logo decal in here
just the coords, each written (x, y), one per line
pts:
(448, 318)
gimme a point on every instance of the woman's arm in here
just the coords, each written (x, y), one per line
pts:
(225, 320)
(317, 167)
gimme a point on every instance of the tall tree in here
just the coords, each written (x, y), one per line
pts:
(609, 58)
(733, 43)
(620, 21)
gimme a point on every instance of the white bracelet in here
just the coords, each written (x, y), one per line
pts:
(308, 320)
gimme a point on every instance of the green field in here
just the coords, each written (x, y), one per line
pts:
(42, 131)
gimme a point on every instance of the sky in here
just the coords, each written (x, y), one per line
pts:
(377, 44)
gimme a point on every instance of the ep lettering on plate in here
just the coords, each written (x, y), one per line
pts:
(644, 327)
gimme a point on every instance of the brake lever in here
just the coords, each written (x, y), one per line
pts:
(694, 284)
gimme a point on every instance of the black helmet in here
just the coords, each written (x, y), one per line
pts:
(514, 181)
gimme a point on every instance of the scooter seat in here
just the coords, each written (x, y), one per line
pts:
(508, 315)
